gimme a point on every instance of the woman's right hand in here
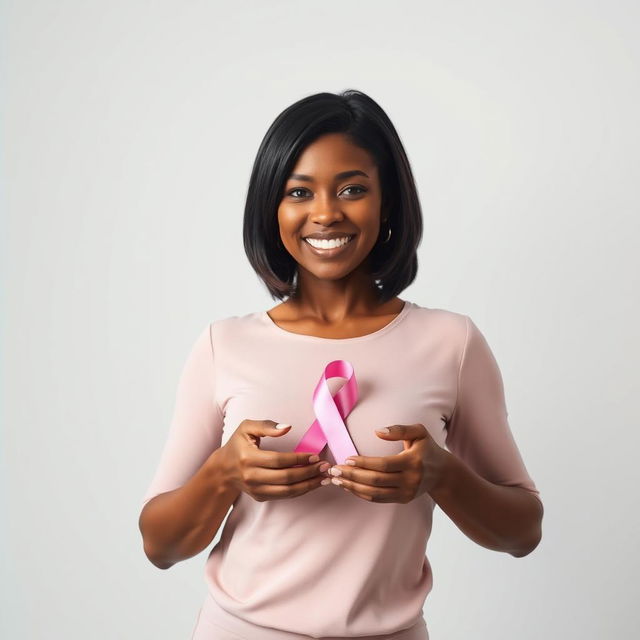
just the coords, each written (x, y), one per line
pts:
(269, 475)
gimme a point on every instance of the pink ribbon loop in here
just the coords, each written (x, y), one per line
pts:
(328, 427)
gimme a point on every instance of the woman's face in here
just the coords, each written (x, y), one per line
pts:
(318, 201)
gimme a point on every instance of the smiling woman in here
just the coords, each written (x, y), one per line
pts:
(312, 548)
(336, 218)
(333, 166)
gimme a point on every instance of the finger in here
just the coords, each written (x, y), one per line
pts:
(281, 492)
(266, 428)
(253, 431)
(395, 462)
(402, 432)
(281, 459)
(287, 476)
(369, 477)
(366, 492)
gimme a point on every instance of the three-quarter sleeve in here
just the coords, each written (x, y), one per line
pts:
(478, 430)
(195, 430)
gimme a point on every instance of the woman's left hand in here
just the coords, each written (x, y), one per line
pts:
(396, 478)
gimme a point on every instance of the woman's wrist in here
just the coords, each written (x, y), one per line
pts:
(220, 475)
(437, 470)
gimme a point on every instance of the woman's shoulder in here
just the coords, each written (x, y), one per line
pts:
(237, 324)
(441, 319)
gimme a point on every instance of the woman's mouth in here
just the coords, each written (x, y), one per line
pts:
(328, 248)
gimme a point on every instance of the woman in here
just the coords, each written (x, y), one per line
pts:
(312, 548)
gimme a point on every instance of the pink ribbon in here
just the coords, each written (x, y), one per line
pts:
(328, 427)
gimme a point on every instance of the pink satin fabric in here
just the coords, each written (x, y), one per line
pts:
(331, 411)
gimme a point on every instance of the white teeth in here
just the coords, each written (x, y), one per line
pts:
(328, 244)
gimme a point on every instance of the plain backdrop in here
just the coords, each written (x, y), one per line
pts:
(129, 129)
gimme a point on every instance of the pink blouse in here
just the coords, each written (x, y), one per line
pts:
(329, 563)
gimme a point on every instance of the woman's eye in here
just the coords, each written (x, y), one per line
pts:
(300, 189)
(356, 187)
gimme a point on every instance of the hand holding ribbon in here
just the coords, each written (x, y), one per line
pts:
(395, 478)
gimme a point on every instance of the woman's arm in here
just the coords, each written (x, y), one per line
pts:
(485, 487)
(179, 524)
(495, 516)
(189, 495)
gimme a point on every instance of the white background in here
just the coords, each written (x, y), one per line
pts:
(129, 129)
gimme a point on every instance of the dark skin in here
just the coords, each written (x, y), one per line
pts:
(336, 299)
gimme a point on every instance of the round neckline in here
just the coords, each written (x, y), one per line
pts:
(367, 336)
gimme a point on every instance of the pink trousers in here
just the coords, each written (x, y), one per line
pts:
(214, 623)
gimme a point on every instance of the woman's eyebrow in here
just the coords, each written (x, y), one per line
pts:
(338, 176)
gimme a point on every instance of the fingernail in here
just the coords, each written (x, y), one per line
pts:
(336, 480)
(314, 458)
(334, 471)
(282, 425)
(351, 462)
(324, 466)
(325, 481)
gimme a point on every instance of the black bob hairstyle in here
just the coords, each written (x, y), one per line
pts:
(394, 264)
